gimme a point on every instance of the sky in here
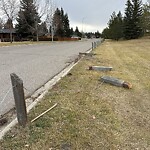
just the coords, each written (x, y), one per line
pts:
(91, 15)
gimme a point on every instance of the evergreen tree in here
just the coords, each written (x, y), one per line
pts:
(97, 34)
(106, 33)
(8, 24)
(57, 22)
(115, 26)
(111, 25)
(128, 23)
(77, 33)
(71, 32)
(132, 19)
(61, 23)
(28, 19)
(137, 16)
(42, 29)
(67, 32)
(146, 18)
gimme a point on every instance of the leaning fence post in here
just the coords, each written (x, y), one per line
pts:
(18, 92)
(92, 45)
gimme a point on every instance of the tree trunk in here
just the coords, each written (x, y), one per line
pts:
(52, 32)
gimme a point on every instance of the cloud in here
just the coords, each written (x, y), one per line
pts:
(86, 27)
(96, 13)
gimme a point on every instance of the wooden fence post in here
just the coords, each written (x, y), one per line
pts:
(18, 92)
(92, 45)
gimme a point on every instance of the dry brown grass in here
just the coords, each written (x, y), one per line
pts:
(90, 114)
(15, 43)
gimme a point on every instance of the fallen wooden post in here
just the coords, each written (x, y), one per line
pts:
(100, 68)
(44, 113)
(86, 54)
(116, 82)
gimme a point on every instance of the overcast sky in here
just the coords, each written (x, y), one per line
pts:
(91, 15)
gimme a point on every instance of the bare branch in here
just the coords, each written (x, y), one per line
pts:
(41, 7)
(10, 8)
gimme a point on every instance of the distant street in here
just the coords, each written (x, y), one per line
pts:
(35, 65)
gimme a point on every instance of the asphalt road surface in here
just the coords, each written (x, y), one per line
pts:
(35, 65)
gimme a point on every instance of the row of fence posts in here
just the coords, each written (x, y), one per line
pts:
(96, 44)
(18, 92)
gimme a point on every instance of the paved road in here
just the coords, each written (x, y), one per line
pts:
(35, 65)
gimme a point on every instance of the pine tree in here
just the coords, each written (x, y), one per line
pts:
(8, 24)
(137, 16)
(128, 23)
(71, 32)
(42, 29)
(28, 19)
(119, 25)
(106, 33)
(77, 33)
(132, 19)
(116, 26)
(97, 34)
(67, 32)
(61, 23)
(57, 22)
(146, 18)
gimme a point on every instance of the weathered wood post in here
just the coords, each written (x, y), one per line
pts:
(18, 92)
(92, 45)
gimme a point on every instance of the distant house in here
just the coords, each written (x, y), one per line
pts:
(76, 37)
(5, 35)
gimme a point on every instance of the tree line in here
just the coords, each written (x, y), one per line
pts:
(33, 21)
(134, 24)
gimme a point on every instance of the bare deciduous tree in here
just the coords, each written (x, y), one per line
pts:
(10, 10)
(1, 23)
(50, 10)
(41, 9)
(146, 18)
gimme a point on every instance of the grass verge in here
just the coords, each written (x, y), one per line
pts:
(91, 114)
(16, 43)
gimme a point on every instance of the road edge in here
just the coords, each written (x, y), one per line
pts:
(41, 92)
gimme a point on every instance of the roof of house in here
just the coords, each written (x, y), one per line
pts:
(7, 30)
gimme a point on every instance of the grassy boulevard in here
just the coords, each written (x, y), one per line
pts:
(92, 115)
(15, 43)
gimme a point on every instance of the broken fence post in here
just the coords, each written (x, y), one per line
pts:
(18, 92)
(100, 68)
(86, 54)
(116, 82)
